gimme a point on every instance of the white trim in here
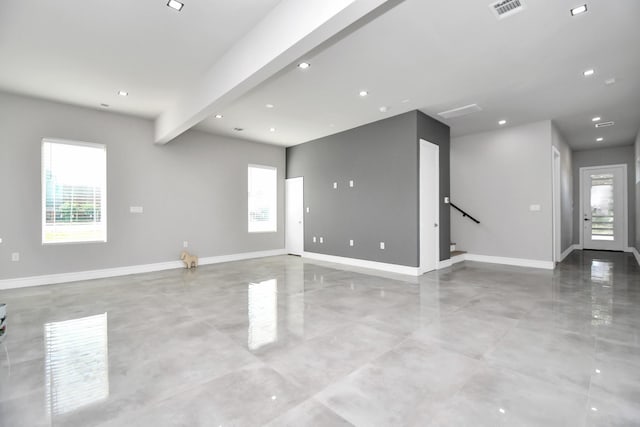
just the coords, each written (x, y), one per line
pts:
(520, 262)
(50, 279)
(635, 253)
(625, 206)
(556, 203)
(444, 264)
(458, 258)
(374, 265)
(568, 251)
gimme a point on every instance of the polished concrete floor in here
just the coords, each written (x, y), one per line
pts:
(285, 342)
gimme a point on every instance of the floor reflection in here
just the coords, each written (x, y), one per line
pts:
(76, 363)
(263, 313)
(601, 292)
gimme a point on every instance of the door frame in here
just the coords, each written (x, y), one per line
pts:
(421, 244)
(287, 224)
(625, 202)
(556, 166)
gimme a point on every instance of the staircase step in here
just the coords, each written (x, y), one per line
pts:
(456, 253)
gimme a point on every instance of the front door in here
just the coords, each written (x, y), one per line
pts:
(604, 207)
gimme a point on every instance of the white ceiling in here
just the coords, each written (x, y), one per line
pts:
(85, 51)
(438, 55)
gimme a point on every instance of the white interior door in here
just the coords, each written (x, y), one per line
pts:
(429, 206)
(604, 207)
(294, 220)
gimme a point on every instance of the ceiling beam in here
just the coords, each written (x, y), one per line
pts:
(287, 33)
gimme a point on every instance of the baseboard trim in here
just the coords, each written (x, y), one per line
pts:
(354, 262)
(51, 279)
(444, 264)
(568, 251)
(635, 253)
(458, 258)
(518, 262)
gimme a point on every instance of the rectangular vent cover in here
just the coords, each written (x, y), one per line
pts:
(604, 124)
(504, 8)
(461, 111)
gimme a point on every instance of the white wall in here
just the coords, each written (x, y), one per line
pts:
(193, 189)
(566, 187)
(496, 176)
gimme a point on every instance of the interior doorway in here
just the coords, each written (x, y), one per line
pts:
(294, 219)
(429, 182)
(603, 207)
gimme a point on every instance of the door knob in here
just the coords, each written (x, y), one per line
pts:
(586, 219)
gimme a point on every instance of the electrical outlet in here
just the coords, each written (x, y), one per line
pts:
(335, 185)
(322, 240)
(0, 239)
(351, 242)
(136, 209)
(382, 245)
(351, 183)
(314, 239)
(185, 244)
(534, 208)
(15, 257)
(307, 209)
(446, 199)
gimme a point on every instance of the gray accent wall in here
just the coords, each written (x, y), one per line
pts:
(496, 176)
(382, 160)
(603, 157)
(193, 189)
(566, 187)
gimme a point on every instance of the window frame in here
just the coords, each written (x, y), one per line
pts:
(275, 204)
(43, 178)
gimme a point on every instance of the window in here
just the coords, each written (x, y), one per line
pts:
(263, 199)
(74, 187)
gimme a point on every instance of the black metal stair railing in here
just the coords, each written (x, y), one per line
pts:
(464, 213)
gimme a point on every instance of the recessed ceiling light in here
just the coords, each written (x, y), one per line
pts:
(272, 129)
(599, 139)
(578, 10)
(219, 116)
(174, 4)
(304, 65)
(502, 122)
(364, 93)
(269, 105)
(596, 119)
(123, 93)
(589, 72)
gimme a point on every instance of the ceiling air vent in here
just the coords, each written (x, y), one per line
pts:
(604, 124)
(460, 111)
(504, 8)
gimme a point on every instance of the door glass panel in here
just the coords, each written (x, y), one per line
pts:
(602, 218)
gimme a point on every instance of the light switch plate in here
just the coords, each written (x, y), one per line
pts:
(534, 208)
(382, 245)
(15, 257)
(446, 199)
(136, 209)
(351, 242)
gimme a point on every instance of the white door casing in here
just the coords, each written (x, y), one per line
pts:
(294, 219)
(429, 183)
(613, 232)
